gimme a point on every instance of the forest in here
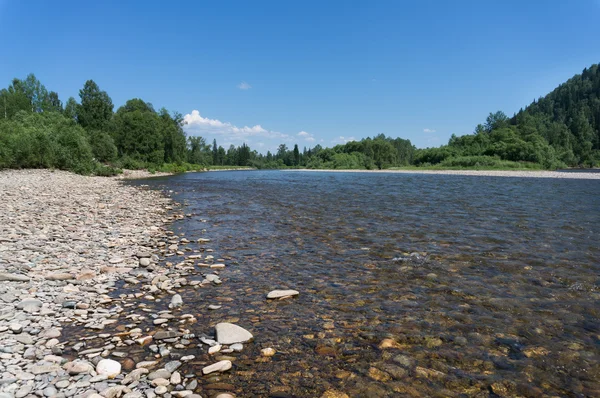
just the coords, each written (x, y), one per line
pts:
(561, 129)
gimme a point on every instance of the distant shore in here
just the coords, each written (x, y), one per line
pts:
(480, 173)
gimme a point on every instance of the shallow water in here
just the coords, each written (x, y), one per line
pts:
(489, 286)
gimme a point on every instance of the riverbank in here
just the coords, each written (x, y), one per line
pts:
(480, 173)
(70, 247)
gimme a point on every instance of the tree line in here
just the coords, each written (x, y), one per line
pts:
(87, 136)
(37, 130)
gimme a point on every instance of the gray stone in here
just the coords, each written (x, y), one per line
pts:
(159, 374)
(23, 391)
(172, 366)
(176, 301)
(5, 276)
(166, 334)
(29, 303)
(16, 327)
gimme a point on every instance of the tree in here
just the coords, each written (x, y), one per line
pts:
(173, 136)
(35, 92)
(215, 152)
(495, 121)
(71, 107)
(296, 155)
(199, 152)
(14, 99)
(139, 131)
(96, 107)
(53, 103)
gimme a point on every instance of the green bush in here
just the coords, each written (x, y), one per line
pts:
(103, 146)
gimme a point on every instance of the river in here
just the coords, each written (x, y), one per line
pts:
(475, 286)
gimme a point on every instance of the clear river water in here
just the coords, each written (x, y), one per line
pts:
(410, 285)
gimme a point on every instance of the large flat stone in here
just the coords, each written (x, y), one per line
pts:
(282, 293)
(5, 276)
(228, 333)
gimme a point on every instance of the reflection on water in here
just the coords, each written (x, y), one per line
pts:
(485, 286)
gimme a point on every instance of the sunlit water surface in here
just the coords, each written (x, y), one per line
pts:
(488, 285)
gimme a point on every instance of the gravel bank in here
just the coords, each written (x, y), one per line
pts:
(67, 242)
(484, 173)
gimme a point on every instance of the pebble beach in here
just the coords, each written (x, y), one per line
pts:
(66, 243)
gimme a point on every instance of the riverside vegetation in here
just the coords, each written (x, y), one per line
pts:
(559, 130)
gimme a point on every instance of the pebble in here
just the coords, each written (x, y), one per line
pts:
(176, 301)
(108, 367)
(267, 352)
(275, 294)
(220, 366)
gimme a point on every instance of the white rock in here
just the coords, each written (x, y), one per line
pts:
(267, 352)
(109, 368)
(228, 333)
(214, 349)
(176, 301)
(175, 378)
(282, 293)
(220, 366)
(237, 347)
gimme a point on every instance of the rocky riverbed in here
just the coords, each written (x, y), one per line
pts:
(80, 259)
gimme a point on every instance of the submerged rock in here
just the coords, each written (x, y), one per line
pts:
(282, 294)
(220, 366)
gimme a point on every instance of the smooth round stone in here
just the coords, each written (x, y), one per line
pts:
(160, 321)
(237, 347)
(62, 384)
(159, 382)
(267, 352)
(282, 293)
(109, 368)
(160, 390)
(144, 262)
(49, 391)
(160, 373)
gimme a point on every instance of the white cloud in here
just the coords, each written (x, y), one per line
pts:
(226, 133)
(428, 130)
(244, 86)
(196, 124)
(306, 136)
(342, 140)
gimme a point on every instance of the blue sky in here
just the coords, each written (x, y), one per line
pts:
(309, 72)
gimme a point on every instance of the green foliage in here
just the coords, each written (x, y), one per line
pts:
(138, 132)
(96, 107)
(486, 162)
(45, 140)
(103, 146)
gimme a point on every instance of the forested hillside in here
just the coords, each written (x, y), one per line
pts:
(558, 130)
